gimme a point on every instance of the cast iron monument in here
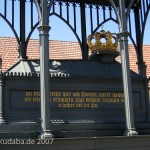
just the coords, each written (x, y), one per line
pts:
(76, 98)
(85, 97)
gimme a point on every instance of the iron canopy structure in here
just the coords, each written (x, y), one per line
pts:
(86, 15)
(87, 18)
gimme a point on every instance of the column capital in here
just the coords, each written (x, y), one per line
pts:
(123, 34)
(43, 27)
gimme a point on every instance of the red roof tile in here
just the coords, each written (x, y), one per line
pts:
(58, 50)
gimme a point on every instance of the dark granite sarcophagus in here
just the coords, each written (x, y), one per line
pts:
(86, 98)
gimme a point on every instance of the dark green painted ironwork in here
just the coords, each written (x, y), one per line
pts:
(141, 7)
(141, 10)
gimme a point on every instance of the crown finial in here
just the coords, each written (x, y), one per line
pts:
(99, 45)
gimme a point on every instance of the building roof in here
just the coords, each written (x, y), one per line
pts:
(71, 69)
(59, 50)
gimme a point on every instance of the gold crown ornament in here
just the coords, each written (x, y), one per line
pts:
(99, 45)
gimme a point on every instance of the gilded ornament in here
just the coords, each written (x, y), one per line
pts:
(98, 45)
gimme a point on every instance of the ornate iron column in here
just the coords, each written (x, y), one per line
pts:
(44, 70)
(123, 38)
(2, 121)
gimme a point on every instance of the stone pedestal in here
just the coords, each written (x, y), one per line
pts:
(106, 56)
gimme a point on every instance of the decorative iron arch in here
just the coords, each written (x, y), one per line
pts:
(144, 22)
(129, 8)
(36, 25)
(103, 22)
(98, 8)
(116, 12)
(79, 41)
(37, 4)
(30, 33)
(11, 27)
(115, 21)
(141, 9)
(50, 5)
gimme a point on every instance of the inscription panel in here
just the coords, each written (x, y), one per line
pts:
(69, 99)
